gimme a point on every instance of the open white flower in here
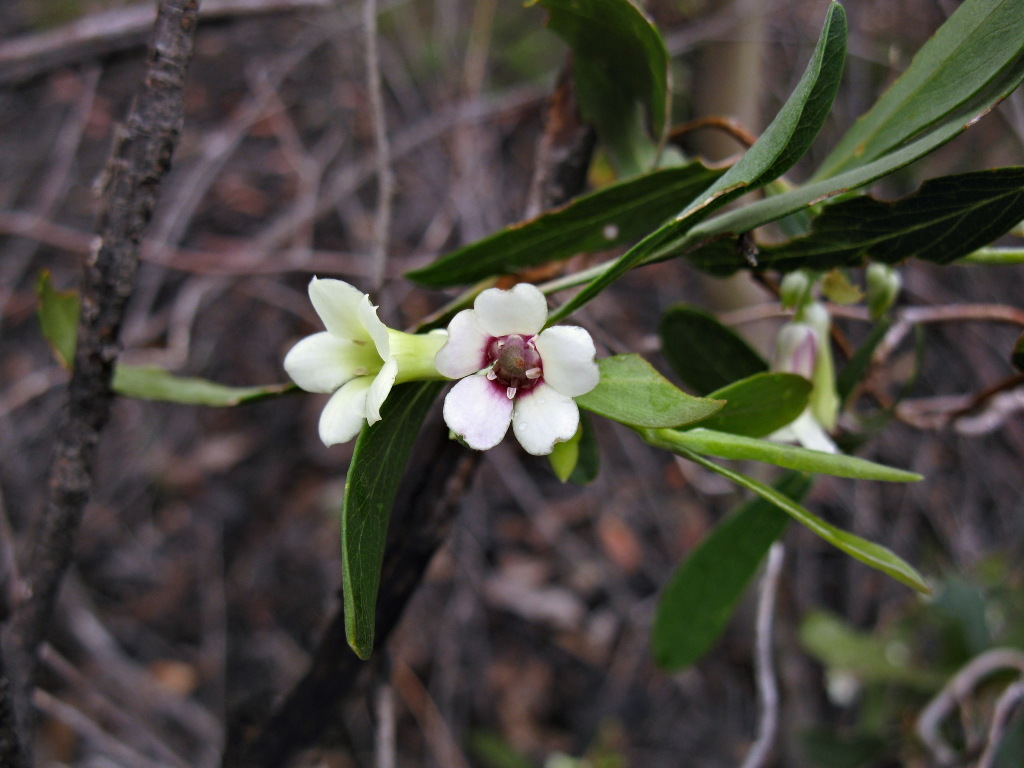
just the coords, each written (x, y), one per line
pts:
(512, 371)
(358, 358)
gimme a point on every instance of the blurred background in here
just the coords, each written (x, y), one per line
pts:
(207, 563)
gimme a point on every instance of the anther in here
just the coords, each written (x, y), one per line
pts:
(533, 373)
(510, 392)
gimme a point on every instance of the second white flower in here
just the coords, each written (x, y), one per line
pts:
(511, 371)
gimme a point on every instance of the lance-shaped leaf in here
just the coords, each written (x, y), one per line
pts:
(703, 352)
(58, 318)
(947, 218)
(869, 553)
(632, 392)
(778, 148)
(725, 445)
(979, 42)
(702, 594)
(760, 404)
(378, 463)
(152, 383)
(620, 70)
(613, 216)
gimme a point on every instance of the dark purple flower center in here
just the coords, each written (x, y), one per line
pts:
(516, 364)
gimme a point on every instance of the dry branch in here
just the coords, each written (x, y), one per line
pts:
(139, 160)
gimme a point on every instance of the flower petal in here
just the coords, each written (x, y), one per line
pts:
(544, 417)
(323, 362)
(337, 303)
(522, 310)
(464, 352)
(373, 327)
(344, 413)
(478, 411)
(567, 355)
(379, 390)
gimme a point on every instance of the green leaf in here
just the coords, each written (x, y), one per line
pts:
(778, 148)
(577, 460)
(633, 393)
(703, 352)
(867, 552)
(613, 216)
(946, 219)
(378, 463)
(58, 318)
(620, 70)
(760, 404)
(729, 446)
(152, 383)
(565, 455)
(839, 647)
(735, 223)
(967, 55)
(702, 594)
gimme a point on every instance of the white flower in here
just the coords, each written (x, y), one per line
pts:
(525, 376)
(357, 358)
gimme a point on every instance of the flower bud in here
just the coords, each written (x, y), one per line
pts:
(884, 285)
(795, 289)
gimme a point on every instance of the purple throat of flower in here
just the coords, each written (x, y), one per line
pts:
(515, 363)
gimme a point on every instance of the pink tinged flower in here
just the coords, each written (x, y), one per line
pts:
(511, 371)
(358, 359)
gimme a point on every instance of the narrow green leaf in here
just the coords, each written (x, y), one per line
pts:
(778, 148)
(698, 600)
(703, 352)
(152, 383)
(729, 446)
(979, 42)
(613, 216)
(867, 552)
(378, 463)
(620, 70)
(742, 220)
(947, 218)
(760, 404)
(58, 318)
(633, 393)
(565, 455)
(839, 647)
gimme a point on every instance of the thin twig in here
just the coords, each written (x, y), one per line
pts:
(385, 735)
(956, 691)
(382, 146)
(767, 685)
(139, 160)
(1006, 707)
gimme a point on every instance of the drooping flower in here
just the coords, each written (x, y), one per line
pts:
(358, 358)
(801, 347)
(511, 371)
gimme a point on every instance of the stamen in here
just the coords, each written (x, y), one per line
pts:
(491, 375)
(510, 392)
(534, 373)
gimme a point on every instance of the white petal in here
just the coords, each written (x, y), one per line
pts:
(544, 417)
(380, 389)
(323, 362)
(810, 434)
(374, 327)
(337, 304)
(567, 355)
(344, 413)
(478, 411)
(464, 352)
(521, 310)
